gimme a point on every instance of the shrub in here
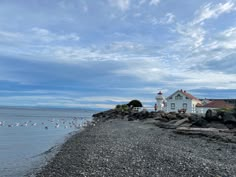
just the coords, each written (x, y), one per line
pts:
(123, 107)
(118, 106)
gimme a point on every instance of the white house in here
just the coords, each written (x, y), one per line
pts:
(181, 100)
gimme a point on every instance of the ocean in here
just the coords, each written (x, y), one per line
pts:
(28, 135)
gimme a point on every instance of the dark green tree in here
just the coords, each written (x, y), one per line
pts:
(135, 103)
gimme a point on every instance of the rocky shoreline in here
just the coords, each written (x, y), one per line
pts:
(215, 124)
(115, 145)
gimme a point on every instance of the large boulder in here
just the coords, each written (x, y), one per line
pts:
(229, 120)
(200, 123)
(194, 117)
(161, 112)
(197, 120)
(214, 115)
(171, 116)
(154, 114)
(211, 114)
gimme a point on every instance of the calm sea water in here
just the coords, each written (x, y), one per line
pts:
(27, 133)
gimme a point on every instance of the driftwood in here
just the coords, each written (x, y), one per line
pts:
(219, 134)
(173, 124)
(180, 122)
(191, 129)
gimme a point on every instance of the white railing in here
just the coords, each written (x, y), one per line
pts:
(143, 108)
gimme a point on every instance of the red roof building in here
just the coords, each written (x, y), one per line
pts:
(216, 104)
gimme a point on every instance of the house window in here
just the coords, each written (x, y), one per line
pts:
(178, 97)
(186, 97)
(184, 105)
(193, 109)
(172, 105)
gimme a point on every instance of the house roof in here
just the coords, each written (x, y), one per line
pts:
(198, 105)
(217, 104)
(188, 95)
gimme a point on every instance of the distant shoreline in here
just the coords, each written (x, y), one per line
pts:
(51, 108)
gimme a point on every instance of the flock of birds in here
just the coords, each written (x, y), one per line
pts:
(76, 122)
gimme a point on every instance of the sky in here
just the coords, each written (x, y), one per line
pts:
(97, 54)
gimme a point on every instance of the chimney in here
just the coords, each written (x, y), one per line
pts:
(184, 91)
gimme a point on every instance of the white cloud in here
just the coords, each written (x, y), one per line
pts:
(147, 68)
(39, 34)
(125, 45)
(197, 44)
(178, 76)
(121, 4)
(47, 36)
(142, 2)
(167, 19)
(209, 79)
(153, 20)
(192, 36)
(229, 39)
(154, 2)
(223, 43)
(85, 8)
(213, 11)
(231, 32)
(6, 36)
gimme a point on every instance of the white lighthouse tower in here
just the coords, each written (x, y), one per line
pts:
(161, 102)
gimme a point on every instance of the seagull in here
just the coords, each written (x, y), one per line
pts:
(34, 124)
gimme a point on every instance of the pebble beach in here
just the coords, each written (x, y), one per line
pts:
(118, 148)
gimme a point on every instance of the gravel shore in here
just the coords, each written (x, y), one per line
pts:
(121, 148)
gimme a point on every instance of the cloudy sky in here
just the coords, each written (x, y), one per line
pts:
(96, 54)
